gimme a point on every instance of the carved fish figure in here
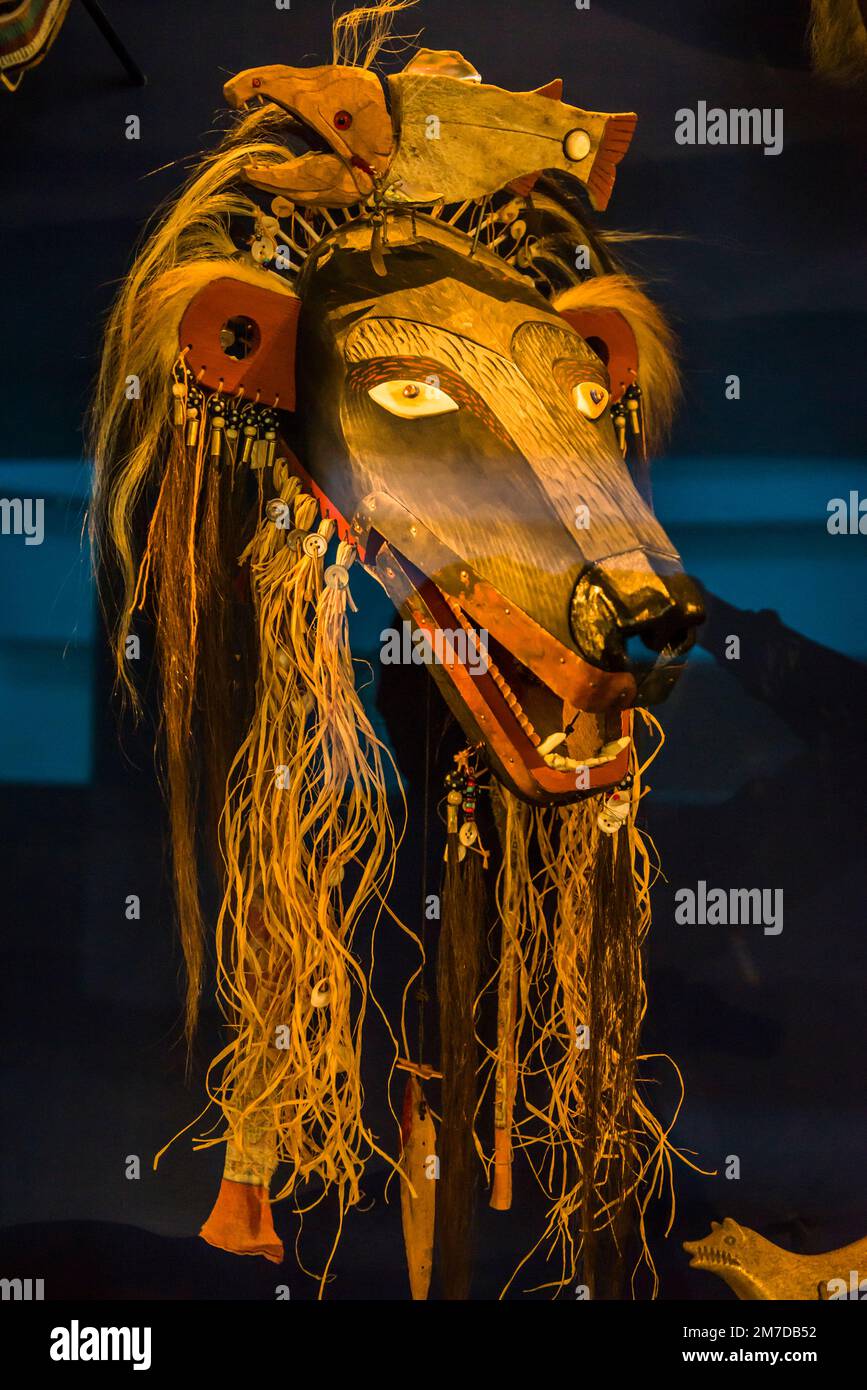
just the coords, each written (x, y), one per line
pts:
(755, 1268)
(445, 135)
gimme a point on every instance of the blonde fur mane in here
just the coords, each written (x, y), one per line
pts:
(362, 35)
(838, 41)
(657, 364)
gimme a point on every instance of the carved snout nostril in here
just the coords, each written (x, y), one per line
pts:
(624, 614)
(671, 630)
(656, 639)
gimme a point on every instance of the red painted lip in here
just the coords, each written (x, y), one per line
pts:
(498, 724)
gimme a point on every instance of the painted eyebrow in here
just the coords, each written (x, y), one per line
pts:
(373, 370)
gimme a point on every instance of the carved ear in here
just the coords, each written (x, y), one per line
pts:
(610, 336)
(241, 338)
(616, 318)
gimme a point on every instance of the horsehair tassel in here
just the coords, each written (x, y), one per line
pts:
(194, 408)
(179, 404)
(459, 957)
(614, 999)
(270, 447)
(232, 430)
(249, 431)
(216, 415)
(633, 406)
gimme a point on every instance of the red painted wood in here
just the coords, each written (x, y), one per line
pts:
(611, 327)
(269, 371)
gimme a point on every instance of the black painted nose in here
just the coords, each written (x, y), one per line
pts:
(628, 610)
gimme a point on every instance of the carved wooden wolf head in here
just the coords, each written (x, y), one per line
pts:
(467, 429)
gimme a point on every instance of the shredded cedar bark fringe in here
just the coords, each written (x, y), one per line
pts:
(596, 1148)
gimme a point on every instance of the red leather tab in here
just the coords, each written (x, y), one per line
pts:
(268, 369)
(241, 1222)
(609, 333)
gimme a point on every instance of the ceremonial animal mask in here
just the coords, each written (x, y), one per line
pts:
(464, 432)
(405, 339)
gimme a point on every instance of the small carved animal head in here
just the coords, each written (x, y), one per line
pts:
(732, 1252)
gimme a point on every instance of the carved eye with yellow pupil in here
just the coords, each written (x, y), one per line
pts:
(410, 400)
(590, 398)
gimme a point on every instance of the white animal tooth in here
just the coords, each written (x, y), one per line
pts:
(559, 763)
(614, 749)
(551, 742)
